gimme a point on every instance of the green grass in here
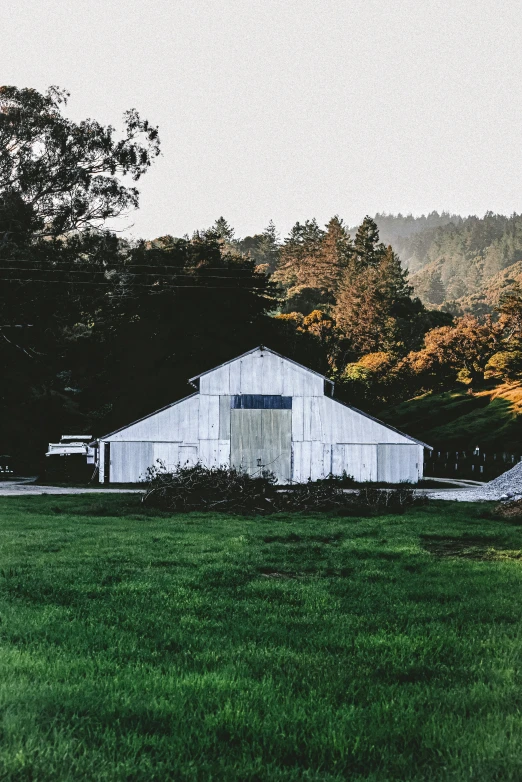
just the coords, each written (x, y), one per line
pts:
(491, 417)
(141, 647)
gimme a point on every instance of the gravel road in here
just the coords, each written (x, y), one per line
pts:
(24, 487)
(507, 486)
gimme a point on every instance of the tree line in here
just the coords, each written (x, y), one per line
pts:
(96, 330)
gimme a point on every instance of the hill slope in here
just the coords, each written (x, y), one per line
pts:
(460, 420)
(456, 259)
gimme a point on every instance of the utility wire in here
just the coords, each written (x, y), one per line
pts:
(116, 272)
(159, 288)
(130, 265)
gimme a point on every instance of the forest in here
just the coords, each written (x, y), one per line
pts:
(97, 330)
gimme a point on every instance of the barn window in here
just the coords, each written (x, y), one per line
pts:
(328, 388)
(260, 402)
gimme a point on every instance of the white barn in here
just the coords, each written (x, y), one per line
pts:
(263, 411)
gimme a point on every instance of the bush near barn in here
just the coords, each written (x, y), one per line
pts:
(226, 489)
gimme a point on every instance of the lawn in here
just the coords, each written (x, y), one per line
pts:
(315, 648)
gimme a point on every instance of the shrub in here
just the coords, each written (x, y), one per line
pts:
(208, 489)
(229, 490)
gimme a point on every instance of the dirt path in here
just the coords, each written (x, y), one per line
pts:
(23, 487)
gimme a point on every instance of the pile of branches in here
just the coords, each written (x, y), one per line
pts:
(328, 495)
(209, 489)
(229, 490)
(396, 500)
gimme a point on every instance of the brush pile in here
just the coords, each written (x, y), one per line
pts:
(232, 491)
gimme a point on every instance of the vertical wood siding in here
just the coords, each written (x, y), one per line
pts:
(397, 463)
(262, 439)
(359, 461)
(129, 461)
(208, 418)
(261, 373)
(224, 417)
(318, 436)
(179, 422)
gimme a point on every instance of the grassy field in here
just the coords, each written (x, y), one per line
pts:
(491, 417)
(137, 647)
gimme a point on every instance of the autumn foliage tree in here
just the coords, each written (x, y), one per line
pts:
(462, 350)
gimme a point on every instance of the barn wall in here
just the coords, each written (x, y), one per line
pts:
(358, 460)
(311, 459)
(129, 461)
(336, 423)
(179, 422)
(261, 373)
(399, 462)
(327, 437)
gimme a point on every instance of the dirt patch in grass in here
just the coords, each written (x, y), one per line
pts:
(509, 510)
(292, 537)
(473, 547)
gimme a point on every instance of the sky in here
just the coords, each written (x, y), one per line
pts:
(292, 109)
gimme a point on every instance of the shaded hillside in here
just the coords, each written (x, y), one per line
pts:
(462, 420)
(488, 297)
(455, 259)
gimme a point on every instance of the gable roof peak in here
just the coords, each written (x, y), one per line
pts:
(261, 349)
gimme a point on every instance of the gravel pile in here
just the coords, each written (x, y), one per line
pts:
(507, 486)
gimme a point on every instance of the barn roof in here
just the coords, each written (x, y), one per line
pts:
(264, 349)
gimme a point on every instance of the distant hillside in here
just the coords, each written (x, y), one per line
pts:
(454, 259)
(461, 420)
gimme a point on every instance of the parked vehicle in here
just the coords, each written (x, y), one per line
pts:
(72, 459)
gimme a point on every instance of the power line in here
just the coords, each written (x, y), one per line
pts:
(134, 265)
(136, 285)
(145, 274)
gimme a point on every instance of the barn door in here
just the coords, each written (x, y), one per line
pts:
(261, 439)
(397, 463)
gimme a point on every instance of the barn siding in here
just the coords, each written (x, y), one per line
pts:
(208, 418)
(177, 422)
(397, 463)
(341, 424)
(209, 453)
(129, 461)
(358, 460)
(167, 454)
(261, 439)
(324, 435)
(261, 372)
(224, 417)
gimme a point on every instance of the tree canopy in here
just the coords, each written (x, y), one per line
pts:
(57, 176)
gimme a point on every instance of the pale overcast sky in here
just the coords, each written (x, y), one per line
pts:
(289, 109)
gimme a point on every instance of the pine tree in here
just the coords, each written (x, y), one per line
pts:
(435, 291)
(299, 253)
(223, 230)
(334, 256)
(368, 250)
(374, 302)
